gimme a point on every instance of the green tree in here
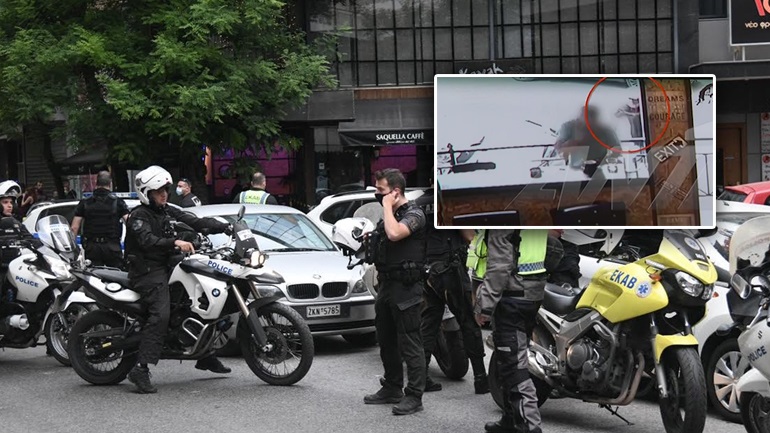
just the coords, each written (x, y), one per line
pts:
(153, 76)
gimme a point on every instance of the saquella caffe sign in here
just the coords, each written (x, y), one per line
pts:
(749, 22)
(386, 138)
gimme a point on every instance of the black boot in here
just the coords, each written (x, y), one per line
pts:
(505, 425)
(386, 395)
(140, 376)
(212, 364)
(431, 385)
(408, 405)
(481, 383)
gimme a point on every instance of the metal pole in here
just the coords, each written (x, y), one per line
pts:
(676, 35)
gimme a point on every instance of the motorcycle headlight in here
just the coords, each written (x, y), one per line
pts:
(708, 292)
(59, 269)
(689, 284)
(255, 258)
(359, 287)
(268, 291)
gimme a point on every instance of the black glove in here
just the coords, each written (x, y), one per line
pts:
(228, 230)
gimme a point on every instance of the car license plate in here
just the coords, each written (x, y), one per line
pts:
(323, 311)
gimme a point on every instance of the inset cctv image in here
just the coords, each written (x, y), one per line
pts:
(538, 151)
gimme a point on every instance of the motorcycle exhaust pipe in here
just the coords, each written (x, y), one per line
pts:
(534, 366)
(18, 321)
(131, 342)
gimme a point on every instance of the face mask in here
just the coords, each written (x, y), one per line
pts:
(178, 191)
(379, 197)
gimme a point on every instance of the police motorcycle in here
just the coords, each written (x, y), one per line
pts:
(450, 353)
(208, 296)
(749, 301)
(632, 319)
(35, 279)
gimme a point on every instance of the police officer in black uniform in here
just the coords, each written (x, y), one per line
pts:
(151, 249)
(104, 214)
(399, 258)
(449, 284)
(11, 230)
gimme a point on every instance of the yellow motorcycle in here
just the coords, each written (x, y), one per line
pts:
(596, 343)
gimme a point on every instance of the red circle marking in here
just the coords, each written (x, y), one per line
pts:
(766, 159)
(665, 128)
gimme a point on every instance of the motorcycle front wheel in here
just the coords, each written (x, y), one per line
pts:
(755, 412)
(291, 354)
(57, 331)
(684, 411)
(89, 334)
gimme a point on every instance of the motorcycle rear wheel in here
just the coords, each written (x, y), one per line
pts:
(57, 333)
(450, 354)
(755, 412)
(684, 411)
(103, 369)
(292, 341)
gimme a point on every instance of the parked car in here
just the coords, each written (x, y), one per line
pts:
(333, 299)
(343, 205)
(756, 193)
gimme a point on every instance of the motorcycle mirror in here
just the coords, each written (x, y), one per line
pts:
(241, 212)
(740, 286)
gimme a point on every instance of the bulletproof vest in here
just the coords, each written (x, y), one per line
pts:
(144, 260)
(442, 243)
(410, 249)
(101, 216)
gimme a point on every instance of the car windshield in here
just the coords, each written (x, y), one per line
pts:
(282, 232)
(729, 195)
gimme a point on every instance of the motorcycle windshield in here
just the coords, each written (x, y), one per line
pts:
(54, 232)
(750, 243)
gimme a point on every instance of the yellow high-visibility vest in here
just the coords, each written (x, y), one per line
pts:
(532, 251)
(254, 197)
(477, 255)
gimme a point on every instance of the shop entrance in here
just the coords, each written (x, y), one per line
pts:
(730, 148)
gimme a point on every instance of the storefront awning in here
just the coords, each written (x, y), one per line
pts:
(734, 71)
(389, 122)
(89, 161)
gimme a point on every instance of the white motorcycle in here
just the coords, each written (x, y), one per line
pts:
(208, 292)
(34, 280)
(749, 302)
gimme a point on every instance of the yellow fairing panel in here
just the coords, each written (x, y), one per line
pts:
(663, 342)
(669, 256)
(623, 293)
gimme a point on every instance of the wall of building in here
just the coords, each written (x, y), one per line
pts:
(715, 46)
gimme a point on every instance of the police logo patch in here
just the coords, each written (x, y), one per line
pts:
(137, 224)
(215, 293)
(643, 290)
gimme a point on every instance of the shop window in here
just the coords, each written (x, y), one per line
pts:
(713, 8)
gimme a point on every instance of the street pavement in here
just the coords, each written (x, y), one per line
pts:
(37, 394)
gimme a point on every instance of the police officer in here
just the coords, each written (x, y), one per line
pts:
(399, 258)
(103, 212)
(184, 190)
(151, 245)
(257, 193)
(449, 284)
(512, 292)
(10, 228)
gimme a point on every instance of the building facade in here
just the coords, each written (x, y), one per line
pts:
(743, 81)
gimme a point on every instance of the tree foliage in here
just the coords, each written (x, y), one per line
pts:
(144, 76)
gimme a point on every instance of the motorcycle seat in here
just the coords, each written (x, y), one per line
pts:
(113, 276)
(559, 300)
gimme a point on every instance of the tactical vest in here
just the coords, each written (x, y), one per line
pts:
(441, 244)
(392, 255)
(254, 197)
(477, 254)
(533, 247)
(101, 216)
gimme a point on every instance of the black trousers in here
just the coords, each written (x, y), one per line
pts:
(104, 253)
(514, 321)
(450, 288)
(153, 287)
(397, 321)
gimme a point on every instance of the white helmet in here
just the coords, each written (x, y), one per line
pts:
(607, 238)
(348, 234)
(9, 188)
(150, 179)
